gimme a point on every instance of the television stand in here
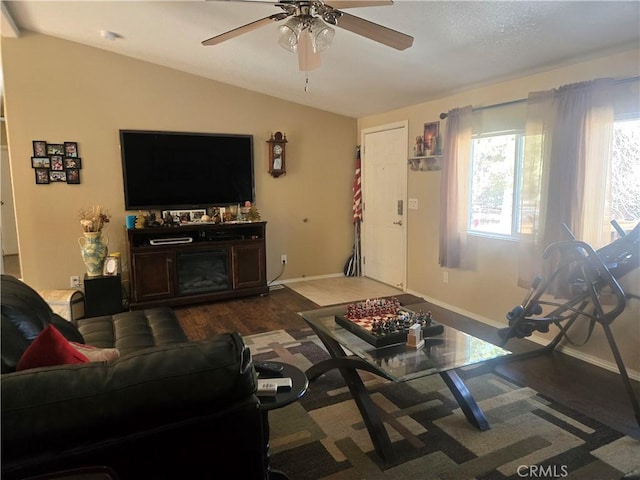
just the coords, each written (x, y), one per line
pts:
(195, 263)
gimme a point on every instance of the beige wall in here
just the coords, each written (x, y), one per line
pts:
(57, 91)
(489, 290)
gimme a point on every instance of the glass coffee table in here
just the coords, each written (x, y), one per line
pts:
(441, 354)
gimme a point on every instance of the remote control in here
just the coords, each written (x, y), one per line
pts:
(267, 389)
(268, 367)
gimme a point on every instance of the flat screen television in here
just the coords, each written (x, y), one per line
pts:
(171, 170)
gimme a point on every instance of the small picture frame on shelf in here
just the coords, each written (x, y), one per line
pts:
(39, 148)
(70, 149)
(40, 162)
(73, 175)
(42, 176)
(57, 162)
(72, 162)
(196, 215)
(111, 266)
(431, 133)
(55, 149)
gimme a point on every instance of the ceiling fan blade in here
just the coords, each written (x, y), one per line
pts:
(244, 29)
(340, 4)
(374, 31)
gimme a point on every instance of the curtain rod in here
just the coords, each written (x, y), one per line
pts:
(444, 115)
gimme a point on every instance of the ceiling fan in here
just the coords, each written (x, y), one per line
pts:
(308, 31)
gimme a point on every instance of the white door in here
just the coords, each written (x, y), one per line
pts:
(384, 192)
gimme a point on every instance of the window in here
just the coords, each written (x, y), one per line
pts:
(495, 180)
(625, 173)
(495, 187)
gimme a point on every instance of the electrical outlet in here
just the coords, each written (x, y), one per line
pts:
(283, 259)
(74, 281)
(445, 277)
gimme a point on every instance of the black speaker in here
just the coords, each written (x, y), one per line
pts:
(102, 295)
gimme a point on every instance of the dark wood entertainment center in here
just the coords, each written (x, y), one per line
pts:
(197, 262)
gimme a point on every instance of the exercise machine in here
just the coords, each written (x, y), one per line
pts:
(582, 285)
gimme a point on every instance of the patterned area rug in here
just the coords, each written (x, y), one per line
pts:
(323, 436)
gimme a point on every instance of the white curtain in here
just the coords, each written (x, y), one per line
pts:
(454, 187)
(566, 167)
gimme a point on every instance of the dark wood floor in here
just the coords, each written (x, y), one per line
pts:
(585, 388)
(247, 316)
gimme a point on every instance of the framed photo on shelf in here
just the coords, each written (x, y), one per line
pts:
(196, 215)
(431, 132)
(55, 149)
(73, 175)
(111, 266)
(184, 216)
(40, 162)
(70, 149)
(39, 148)
(72, 162)
(42, 176)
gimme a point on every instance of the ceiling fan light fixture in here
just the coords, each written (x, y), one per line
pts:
(289, 33)
(321, 35)
(308, 59)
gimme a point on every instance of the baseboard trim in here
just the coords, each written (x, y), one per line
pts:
(306, 279)
(598, 362)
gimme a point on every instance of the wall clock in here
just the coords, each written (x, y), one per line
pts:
(277, 144)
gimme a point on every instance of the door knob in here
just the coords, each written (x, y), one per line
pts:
(399, 222)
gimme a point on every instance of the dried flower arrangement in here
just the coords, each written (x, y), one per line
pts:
(93, 219)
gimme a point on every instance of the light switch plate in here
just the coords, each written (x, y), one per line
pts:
(413, 204)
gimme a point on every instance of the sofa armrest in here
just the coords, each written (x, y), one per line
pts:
(59, 407)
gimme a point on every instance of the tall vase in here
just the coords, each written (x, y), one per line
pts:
(94, 251)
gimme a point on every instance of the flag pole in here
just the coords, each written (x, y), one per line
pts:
(357, 213)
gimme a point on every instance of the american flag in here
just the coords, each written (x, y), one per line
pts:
(357, 192)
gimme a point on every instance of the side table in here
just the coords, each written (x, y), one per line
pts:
(284, 397)
(103, 295)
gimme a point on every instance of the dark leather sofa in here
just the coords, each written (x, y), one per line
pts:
(165, 409)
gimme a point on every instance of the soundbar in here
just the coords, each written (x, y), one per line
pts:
(170, 240)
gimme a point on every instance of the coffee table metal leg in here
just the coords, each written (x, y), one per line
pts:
(467, 403)
(372, 419)
(368, 409)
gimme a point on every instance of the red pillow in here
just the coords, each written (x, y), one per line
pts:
(50, 348)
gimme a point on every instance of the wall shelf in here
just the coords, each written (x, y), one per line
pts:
(428, 163)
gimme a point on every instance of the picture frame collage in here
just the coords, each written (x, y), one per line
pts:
(56, 162)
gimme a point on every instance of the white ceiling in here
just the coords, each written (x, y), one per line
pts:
(458, 44)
